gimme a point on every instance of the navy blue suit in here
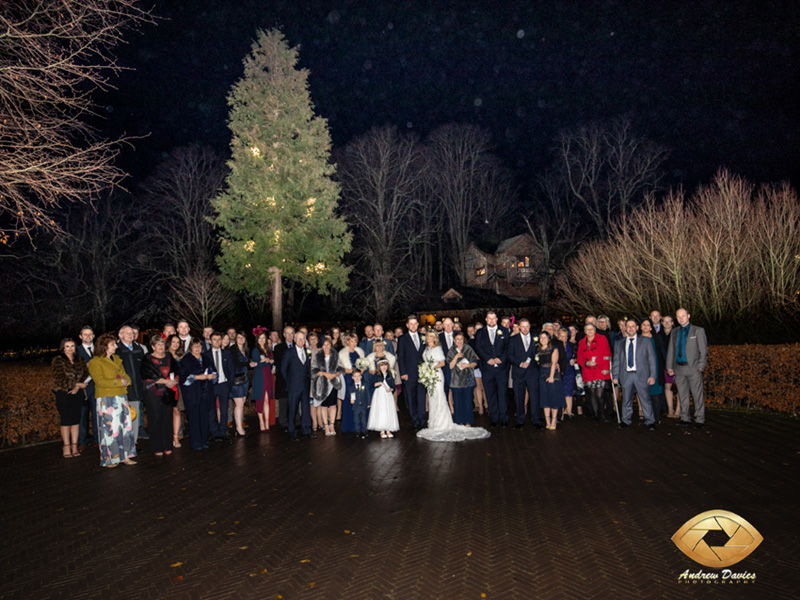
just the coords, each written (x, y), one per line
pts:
(297, 375)
(524, 379)
(90, 410)
(408, 359)
(360, 403)
(222, 392)
(446, 368)
(495, 377)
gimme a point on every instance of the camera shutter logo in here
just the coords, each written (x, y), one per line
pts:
(743, 538)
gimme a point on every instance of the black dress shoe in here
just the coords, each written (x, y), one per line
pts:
(652, 427)
(504, 424)
(699, 425)
(684, 423)
(294, 438)
(538, 426)
(518, 425)
(622, 425)
(493, 424)
(312, 435)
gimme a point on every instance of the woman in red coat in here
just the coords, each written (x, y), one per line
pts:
(594, 358)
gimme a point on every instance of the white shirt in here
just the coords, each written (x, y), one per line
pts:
(218, 364)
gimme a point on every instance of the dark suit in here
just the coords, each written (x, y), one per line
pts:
(524, 378)
(495, 377)
(408, 359)
(446, 368)
(132, 362)
(646, 367)
(197, 397)
(88, 412)
(297, 375)
(222, 392)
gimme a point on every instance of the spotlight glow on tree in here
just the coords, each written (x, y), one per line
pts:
(277, 214)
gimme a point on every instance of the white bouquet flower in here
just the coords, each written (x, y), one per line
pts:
(362, 364)
(429, 376)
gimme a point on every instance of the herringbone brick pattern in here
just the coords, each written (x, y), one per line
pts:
(584, 512)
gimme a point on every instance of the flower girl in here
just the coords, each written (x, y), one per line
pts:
(383, 414)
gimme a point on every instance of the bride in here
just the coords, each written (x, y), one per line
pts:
(440, 422)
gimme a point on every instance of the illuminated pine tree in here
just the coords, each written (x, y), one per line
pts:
(277, 213)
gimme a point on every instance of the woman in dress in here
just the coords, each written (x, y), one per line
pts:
(347, 360)
(175, 348)
(673, 406)
(657, 389)
(263, 395)
(336, 338)
(462, 360)
(568, 363)
(117, 442)
(326, 381)
(577, 399)
(159, 375)
(551, 390)
(480, 395)
(383, 412)
(594, 356)
(197, 381)
(440, 422)
(312, 347)
(241, 383)
(69, 382)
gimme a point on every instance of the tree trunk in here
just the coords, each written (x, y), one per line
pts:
(277, 299)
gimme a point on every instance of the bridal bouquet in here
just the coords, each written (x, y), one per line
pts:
(429, 375)
(362, 364)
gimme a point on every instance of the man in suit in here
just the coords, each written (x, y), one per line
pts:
(296, 371)
(409, 354)
(491, 344)
(369, 339)
(89, 410)
(524, 374)
(185, 334)
(635, 368)
(132, 354)
(446, 342)
(281, 394)
(687, 356)
(223, 364)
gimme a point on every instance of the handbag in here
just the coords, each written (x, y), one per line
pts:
(240, 378)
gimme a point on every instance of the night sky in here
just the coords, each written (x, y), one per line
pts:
(716, 82)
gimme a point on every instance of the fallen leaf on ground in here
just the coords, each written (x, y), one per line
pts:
(177, 564)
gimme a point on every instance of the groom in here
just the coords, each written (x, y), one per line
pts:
(491, 346)
(409, 354)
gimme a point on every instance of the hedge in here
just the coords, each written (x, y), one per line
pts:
(756, 377)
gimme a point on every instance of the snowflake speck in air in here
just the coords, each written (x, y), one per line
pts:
(521, 33)
(478, 102)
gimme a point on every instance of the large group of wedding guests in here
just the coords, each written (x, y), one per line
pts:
(195, 387)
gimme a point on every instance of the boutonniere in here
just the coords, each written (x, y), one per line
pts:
(536, 339)
(499, 333)
(536, 358)
(308, 351)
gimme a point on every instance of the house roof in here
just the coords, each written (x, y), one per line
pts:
(508, 243)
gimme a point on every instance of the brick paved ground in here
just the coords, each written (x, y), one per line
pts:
(584, 512)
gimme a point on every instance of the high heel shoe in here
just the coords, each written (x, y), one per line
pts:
(64, 454)
(175, 442)
(75, 451)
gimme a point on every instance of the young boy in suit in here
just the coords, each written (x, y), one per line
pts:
(360, 399)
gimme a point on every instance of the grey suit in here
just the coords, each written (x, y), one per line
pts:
(645, 366)
(689, 374)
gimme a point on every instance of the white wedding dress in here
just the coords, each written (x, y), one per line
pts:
(440, 422)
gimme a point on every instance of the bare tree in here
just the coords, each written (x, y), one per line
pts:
(466, 180)
(200, 297)
(381, 174)
(723, 253)
(178, 196)
(54, 55)
(607, 168)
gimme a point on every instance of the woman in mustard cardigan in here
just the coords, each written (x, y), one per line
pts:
(117, 442)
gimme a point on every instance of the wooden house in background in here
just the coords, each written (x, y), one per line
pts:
(511, 270)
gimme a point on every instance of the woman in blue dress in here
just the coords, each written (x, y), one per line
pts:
(347, 360)
(551, 390)
(241, 380)
(568, 372)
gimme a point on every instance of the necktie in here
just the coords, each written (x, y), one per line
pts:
(218, 361)
(491, 335)
(415, 337)
(302, 355)
(630, 353)
(527, 342)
